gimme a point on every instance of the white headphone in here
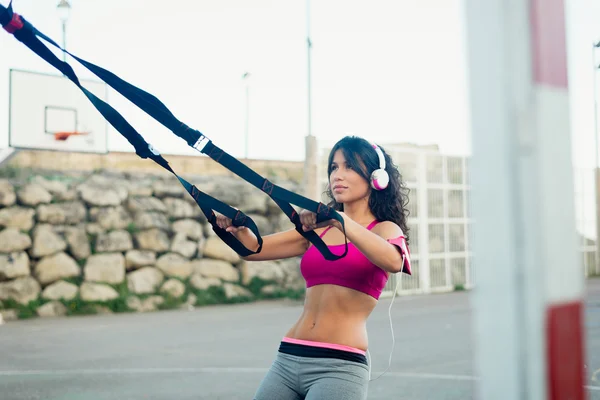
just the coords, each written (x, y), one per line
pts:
(379, 178)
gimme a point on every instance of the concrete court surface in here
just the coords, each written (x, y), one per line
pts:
(222, 352)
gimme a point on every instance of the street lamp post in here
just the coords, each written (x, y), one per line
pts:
(64, 11)
(311, 156)
(309, 83)
(246, 131)
(596, 167)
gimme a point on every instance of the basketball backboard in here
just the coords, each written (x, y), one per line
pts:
(48, 112)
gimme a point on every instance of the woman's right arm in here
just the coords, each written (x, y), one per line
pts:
(275, 246)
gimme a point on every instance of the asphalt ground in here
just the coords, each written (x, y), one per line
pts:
(223, 352)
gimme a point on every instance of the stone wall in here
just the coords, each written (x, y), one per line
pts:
(90, 242)
(131, 162)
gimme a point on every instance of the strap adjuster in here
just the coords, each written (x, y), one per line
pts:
(14, 25)
(267, 187)
(322, 208)
(240, 218)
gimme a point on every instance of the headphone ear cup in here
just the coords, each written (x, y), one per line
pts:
(380, 179)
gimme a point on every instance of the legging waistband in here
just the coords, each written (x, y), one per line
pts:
(303, 350)
(325, 345)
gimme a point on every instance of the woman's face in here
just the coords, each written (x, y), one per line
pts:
(347, 185)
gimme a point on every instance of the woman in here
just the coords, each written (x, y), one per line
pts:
(322, 356)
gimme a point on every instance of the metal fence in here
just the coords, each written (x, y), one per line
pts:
(585, 218)
(440, 223)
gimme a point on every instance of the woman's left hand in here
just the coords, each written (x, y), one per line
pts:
(309, 221)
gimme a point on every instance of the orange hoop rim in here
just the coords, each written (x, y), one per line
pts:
(64, 135)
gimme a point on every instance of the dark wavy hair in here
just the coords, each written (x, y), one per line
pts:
(388, 204)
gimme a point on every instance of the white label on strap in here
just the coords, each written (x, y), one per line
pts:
(201, 143)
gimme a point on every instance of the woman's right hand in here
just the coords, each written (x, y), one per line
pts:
(225, 223)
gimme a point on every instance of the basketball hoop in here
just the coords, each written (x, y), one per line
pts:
(62, 136)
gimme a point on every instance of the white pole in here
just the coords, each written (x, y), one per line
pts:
(247, 112)
(596, 166)
(496, 250)
(311, 151)
(64, 11)
(594, 86)
(64, 39)
(527, 302)
(309, 83)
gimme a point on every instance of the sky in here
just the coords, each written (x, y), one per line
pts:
(387, 70)
(378, 71)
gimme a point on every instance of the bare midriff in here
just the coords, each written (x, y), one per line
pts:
(334, 314)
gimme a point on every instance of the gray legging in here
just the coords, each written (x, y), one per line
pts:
(296, 377)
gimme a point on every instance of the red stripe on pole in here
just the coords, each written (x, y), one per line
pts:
(565, 352)
(548, 41)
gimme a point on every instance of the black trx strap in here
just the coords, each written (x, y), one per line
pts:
(29, 36)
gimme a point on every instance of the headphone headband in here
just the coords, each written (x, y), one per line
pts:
(380, 155)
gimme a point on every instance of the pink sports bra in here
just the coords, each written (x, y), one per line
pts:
(353, 271)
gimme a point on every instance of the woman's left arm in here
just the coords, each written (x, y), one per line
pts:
(375, 246)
